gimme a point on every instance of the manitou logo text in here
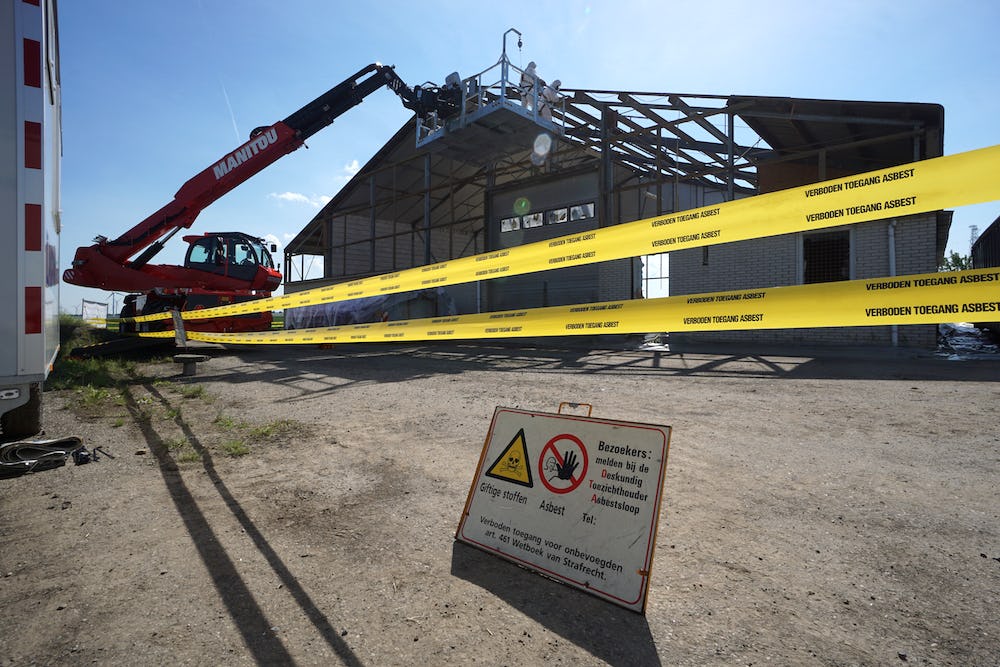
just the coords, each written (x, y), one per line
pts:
(245, 152)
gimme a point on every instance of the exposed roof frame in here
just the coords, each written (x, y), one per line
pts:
(717, 141)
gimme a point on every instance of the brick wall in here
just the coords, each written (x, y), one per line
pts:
(776, 261)
(615, 280)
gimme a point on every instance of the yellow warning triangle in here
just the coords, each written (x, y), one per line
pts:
(512, 465)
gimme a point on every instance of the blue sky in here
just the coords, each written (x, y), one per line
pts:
(155, 91)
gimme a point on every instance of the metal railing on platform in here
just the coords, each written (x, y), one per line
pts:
(502, 85)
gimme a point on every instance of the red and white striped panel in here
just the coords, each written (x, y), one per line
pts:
(31, 112)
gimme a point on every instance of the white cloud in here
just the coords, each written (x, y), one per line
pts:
(319, 201)
(271, 238)
(347, 173)
(314, 201)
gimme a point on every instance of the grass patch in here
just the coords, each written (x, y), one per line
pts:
(271, 429)
(222, 421)
(235, 448)
(93, 398)
(243, 433)
(97, 372)
(102, 383)
(192, 391)
(188, 456)
(176, 444)
(70, 373)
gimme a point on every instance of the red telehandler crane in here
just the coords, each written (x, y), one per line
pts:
(227, 267)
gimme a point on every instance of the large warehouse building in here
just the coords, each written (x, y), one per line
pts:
(511, 169)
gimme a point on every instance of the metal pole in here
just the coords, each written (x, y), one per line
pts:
(488, 235)
(606, 168)
(730, 158)
(504, 62)
(503, 53)
(427, 208)
(371, 203)
(891, 241)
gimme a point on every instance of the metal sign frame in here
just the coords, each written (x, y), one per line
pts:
(589, 516)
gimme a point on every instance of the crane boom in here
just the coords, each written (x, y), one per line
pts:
(107, 265)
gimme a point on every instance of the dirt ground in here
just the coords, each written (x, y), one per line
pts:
(840, 510)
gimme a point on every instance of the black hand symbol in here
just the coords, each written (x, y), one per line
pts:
(565, 471)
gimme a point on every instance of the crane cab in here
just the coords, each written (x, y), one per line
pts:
(220, 268)
(236, 256)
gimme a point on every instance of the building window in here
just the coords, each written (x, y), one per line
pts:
(556, 216)
(581, 212)
(826, 257)
(532, 220)
(656, 276)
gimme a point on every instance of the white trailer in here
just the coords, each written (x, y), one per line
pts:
(30, 155)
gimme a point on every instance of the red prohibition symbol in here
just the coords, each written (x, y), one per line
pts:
(562, 472)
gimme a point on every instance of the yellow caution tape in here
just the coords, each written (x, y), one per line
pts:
(157, 334)
(927, 298)
(919, 187)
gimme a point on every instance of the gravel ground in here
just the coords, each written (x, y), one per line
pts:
(298, 505)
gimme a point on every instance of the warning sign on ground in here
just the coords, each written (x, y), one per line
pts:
(591, 522)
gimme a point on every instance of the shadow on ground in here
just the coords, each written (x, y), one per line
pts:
(346, 365)
(612, 634)
(248, 616)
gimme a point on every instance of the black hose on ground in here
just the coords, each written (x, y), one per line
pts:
(19, 458)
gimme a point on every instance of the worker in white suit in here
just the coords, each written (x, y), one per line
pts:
(548, 99)
(527, 87)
